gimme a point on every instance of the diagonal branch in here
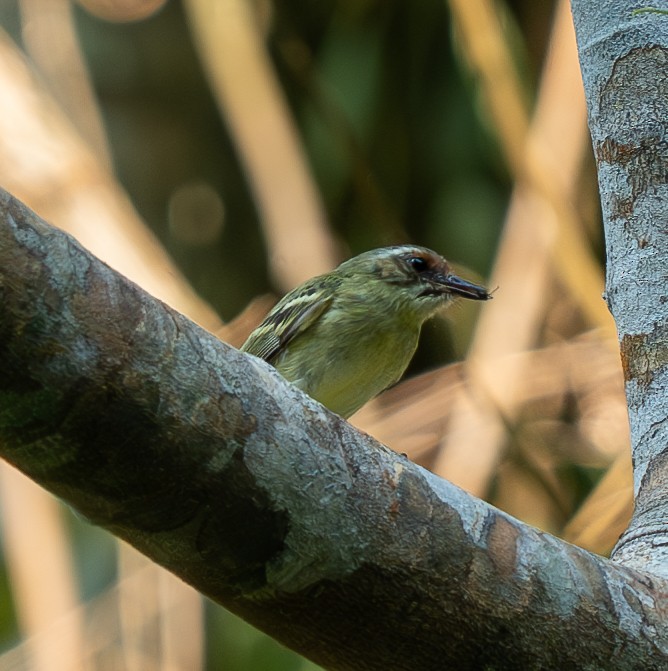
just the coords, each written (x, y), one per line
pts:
(209, 463)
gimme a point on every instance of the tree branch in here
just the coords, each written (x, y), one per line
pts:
(207, 461)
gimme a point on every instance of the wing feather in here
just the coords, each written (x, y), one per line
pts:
(292, 315)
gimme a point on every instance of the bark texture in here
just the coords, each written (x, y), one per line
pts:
(208, 462)
(624, 60)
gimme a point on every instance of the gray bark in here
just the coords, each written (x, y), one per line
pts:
(624, 60)
(208, 462)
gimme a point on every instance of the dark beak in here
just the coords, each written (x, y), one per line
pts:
(456, 285)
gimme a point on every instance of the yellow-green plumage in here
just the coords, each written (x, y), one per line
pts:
(346, 336)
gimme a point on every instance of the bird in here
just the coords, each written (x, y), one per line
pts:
(345, 336)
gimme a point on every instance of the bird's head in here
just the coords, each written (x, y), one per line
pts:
(412, 277)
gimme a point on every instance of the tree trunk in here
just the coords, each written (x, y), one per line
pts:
(624, 61)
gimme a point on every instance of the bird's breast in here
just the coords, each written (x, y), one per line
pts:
(345, 364)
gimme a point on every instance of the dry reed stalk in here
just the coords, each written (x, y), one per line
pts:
(533, 234)
(229, 39)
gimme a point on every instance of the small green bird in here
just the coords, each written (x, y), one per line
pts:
(345, 336)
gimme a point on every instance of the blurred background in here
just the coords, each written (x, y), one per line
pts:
(218, 152)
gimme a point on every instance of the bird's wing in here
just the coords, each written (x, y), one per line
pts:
(292, 315)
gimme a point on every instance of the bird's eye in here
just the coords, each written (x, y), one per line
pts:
(417, 263)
